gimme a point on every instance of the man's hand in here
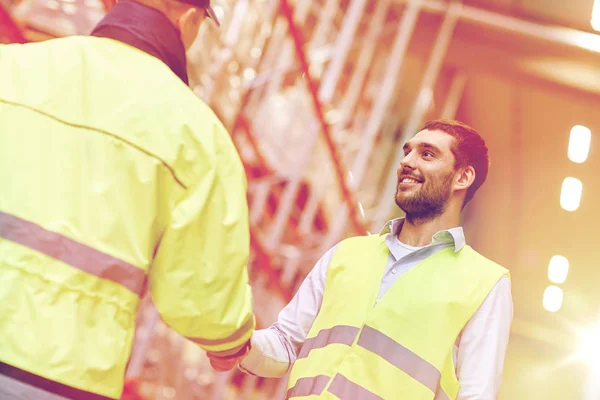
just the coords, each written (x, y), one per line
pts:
(224, 364)
(228, 362)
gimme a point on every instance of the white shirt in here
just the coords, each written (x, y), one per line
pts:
(478, 352)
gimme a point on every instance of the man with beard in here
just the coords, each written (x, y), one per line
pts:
(412, 313)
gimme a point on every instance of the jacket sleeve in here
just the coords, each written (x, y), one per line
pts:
(199, 278)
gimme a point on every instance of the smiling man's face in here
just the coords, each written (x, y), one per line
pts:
(425, 175)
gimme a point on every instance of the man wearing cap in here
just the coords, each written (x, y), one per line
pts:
(115, 178)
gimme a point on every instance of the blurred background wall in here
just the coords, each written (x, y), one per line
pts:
(319, 97)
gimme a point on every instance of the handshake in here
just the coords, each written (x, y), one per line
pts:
(226, 363)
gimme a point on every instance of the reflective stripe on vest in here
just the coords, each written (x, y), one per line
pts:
(341, 387)
(402, 358)
(341, 334)
(345, 389)
(376, 342)
(75, 254)
(308, 386)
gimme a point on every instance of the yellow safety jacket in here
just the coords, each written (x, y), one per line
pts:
(104, 186)
(401, 347)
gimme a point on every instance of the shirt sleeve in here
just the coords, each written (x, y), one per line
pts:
(274, 349)
(483, 344)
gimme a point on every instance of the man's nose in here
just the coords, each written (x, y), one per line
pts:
(408, 162)
(403, 168)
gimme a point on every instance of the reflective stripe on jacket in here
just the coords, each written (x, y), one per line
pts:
(401, 346)
(113, 173)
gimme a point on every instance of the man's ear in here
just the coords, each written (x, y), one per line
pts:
(465, 178)
(189, 24)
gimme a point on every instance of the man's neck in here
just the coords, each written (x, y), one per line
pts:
(147, 29)
(419, 233)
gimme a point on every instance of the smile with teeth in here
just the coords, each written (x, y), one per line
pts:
(409, 180)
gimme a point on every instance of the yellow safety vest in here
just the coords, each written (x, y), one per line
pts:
(401, 347)
(113, 173)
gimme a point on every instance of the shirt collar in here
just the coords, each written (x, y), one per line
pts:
(147, 29)
(453, 235)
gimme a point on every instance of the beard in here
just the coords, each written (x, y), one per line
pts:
(428, 201)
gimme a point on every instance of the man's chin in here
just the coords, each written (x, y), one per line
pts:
(404, 196)
(403, 203)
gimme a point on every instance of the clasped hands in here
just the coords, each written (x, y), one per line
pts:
(226, 363)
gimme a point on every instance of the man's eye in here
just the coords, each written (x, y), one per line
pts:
(427, 154)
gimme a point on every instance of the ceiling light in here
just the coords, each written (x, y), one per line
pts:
(596, 16)
(570, 194)
(579, 143)
(553, 298)
(558, 269)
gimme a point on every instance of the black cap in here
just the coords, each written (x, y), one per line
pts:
(207, 7)
(212, 14)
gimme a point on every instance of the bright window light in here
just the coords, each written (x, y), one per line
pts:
(570, 194)
(596, 16)
(558, 269)
(589, 347)
(579, 143)
(553, 298)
